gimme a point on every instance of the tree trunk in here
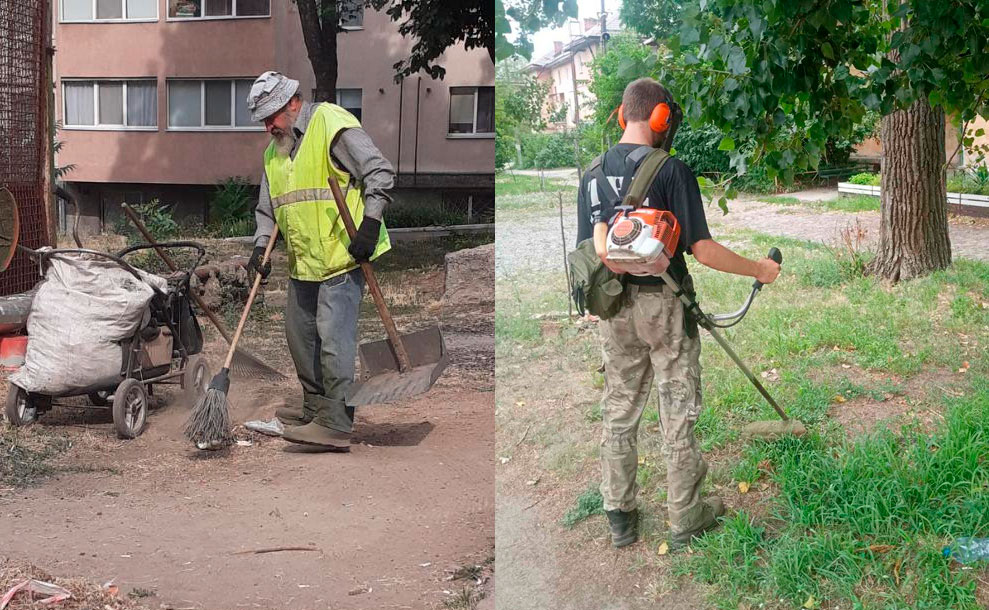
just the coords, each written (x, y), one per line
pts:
(319, 31)
(913, 229)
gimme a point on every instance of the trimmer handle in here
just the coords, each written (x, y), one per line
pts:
(776, 255)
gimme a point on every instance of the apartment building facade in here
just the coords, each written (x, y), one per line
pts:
(567, 70)
(151, 97)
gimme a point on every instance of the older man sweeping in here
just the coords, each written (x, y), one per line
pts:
(311, 144)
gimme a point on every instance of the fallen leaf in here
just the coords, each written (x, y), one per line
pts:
(532, 482)
(743, 487)
(881, 548)
(965, 364)
(840, 398)
(664, 548)
(520, 403)
(846, 366)
(963, 370)
(764, 486)
(896, 570)
(504, 460)
(642, 460)
(810, 603)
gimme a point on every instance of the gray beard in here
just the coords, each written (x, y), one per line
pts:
(284, 145)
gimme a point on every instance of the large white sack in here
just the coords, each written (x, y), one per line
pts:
(83, 308)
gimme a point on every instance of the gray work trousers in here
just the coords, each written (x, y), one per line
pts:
(321, 328)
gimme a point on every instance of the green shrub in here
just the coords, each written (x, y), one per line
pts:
(865, 178)
(231, 201)
(553, 150)
(155, 216)
(424, 214)
(698, 148)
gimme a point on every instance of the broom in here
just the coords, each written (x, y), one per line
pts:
(209, 424)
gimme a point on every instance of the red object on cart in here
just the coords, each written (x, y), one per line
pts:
(12, 350)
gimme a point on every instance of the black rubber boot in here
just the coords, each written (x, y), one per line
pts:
(624, 526)
(705, 518)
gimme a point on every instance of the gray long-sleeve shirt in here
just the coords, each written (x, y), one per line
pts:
(352, 150)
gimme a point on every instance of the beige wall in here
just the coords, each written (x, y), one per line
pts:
(243, 48)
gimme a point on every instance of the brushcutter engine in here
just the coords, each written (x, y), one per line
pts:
(641, 241)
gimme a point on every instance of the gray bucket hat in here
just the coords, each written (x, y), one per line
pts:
(269, 93)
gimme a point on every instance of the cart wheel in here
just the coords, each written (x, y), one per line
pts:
(195, 379)
(20, 409)
(100, 399)
(130, 408)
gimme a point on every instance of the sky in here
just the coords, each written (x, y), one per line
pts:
(543, 39)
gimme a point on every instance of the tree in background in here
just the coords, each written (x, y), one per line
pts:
(529, 17)
(436, 25)
(433, 24)
(320, 21)
(789, 76)
(519, 102)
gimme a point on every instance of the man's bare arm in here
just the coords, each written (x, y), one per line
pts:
(712, 254)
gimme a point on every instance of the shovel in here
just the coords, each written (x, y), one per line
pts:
(402, 365)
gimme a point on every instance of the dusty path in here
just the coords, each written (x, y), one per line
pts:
(532, 241)
(412, 502)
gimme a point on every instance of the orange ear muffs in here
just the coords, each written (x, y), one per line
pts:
(659, 119)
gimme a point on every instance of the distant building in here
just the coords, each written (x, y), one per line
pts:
(567, 60)
(151, 95)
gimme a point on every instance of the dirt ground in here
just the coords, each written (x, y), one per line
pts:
(405, 520)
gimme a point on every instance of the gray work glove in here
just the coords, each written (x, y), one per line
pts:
(254, 265)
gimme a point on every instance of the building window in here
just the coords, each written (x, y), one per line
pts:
(471, 110)
(350, 100)
(109, 10)
(106, 104)
(351, 14)
(217, 9)
(210, 104)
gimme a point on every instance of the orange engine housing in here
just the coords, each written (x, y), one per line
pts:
(642, 241)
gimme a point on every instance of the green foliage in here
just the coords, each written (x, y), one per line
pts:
(588, 504)
(547, 150)
(231, 201)
(155, 216)
(529, 16)
(519, 102)
(866, 178)
(60, 170)
(435, 25)
(781, 74)
(424, 214)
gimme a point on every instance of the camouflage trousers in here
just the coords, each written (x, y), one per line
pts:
(645, 339)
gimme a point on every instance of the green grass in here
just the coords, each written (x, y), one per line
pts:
(844, 203)
(521, 193)
(588, 504)
(906, 495)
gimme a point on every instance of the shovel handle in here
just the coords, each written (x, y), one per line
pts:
(404, 363)
(171, 265)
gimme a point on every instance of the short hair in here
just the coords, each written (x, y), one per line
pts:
(641, 96)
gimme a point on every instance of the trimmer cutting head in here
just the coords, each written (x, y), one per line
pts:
(773, 430)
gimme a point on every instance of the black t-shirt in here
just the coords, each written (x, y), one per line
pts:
(675, 189)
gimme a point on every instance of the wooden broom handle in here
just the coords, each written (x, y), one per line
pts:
(404, 363)
(171, 265)
(250, 298)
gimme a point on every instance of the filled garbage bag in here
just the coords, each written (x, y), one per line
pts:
(83, 309)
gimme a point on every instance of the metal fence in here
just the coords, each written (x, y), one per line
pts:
(24, 90)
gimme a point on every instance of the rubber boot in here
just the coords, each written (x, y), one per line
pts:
(292, 416)
(623, 526)
(320, 436)
(705, 518)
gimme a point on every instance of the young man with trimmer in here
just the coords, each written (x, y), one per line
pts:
(650, 333)
(311, 144)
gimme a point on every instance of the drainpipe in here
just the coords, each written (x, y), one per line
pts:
(415, 159)
(398, 162)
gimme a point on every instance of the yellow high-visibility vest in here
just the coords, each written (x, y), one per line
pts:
(303, 203)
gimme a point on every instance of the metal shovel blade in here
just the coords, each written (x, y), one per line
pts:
(381, 382)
